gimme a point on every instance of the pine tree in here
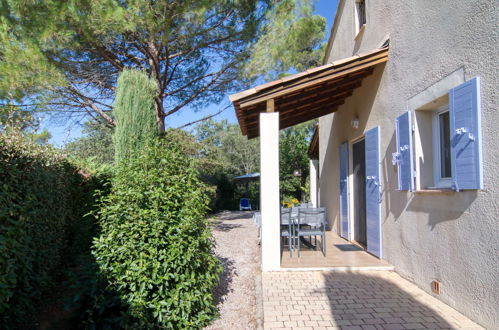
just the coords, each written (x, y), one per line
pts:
(65, 56)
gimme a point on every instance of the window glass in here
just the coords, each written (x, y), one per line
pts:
(361, 12)
(445, 160)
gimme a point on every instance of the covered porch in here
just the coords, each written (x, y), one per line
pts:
(264, 110)
(341, 255)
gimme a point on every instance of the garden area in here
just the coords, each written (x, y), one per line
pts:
(120, 227)
(88, 242)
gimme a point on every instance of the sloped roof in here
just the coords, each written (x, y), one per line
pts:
(306, 95)
(247, 177)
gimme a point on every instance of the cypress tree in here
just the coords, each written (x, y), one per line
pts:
(134, 113)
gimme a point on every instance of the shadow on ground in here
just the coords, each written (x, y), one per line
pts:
(374, 302)
(224, 284)
(220, 226)
(234, 215)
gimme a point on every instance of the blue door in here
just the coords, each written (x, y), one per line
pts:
(373, 192)
(344, 227)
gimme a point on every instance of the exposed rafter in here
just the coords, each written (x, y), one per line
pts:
(306, 95)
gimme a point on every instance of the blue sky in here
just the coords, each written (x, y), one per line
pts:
(63, 132)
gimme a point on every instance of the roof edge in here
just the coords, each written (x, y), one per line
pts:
(272, 84)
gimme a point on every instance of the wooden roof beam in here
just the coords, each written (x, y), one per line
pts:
(335, 75)
(325, 95)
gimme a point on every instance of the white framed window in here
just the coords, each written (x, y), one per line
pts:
(360, 14)
(432, 146)
(441, 148)
(442, 163)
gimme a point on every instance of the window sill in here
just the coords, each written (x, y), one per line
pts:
(435, 191)
(361, 31)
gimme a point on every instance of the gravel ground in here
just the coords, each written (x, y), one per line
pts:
(237, 248)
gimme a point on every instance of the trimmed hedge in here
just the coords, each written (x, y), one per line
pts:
(43, 197)
(155, 248)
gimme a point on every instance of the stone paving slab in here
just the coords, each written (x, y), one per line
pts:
(377, 300)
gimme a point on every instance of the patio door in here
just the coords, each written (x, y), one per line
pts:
(373, 192)
(344, 223)
(359, 192)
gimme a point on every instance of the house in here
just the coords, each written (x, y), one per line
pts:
(406, 143)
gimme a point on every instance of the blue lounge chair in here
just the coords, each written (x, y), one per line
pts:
(244, 204)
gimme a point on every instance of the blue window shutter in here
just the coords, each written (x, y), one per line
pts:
(344, 224)
(373, 191)
(466, 137)
(404, 155)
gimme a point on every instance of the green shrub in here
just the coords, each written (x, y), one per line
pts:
(43, 197)
(155, 248)
(134, 112)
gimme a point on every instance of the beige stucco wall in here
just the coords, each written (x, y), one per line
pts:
(450, 237)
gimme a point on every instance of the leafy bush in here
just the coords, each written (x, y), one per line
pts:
(155, 248)
(43, 197)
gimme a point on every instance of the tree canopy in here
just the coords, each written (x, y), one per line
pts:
(293, 39)
(96, 143)
(224, 142)
(65, 56)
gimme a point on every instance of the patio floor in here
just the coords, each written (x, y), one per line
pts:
(340, 255)
(353, 300)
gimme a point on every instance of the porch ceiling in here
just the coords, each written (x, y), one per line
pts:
(306, 95)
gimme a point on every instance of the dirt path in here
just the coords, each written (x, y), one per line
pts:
(237, 248)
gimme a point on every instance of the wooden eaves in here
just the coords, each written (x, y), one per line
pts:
(306, 95)
(313, 148)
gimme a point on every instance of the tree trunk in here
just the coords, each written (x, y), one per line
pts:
(160, 114)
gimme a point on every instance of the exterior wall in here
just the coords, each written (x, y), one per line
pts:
(450, 237)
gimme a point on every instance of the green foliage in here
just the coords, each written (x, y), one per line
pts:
(155, 247)
(292, 39)
(43, 199)
(24, 68)
(96, 144)
(66, 55)
(134, 112)
(224, 143)
(293, 148)
(221, 153)
(224, 154)
(12, 117)
(193, 49)
(43, 137)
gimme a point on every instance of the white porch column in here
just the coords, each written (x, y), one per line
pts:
(269, 190)
(314, 166)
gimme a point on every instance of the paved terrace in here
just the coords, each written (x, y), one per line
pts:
(351, 299)
(341, 255)
(358, 300)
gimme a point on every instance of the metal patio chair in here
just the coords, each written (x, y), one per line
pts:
(287, 228)
(311, 222)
